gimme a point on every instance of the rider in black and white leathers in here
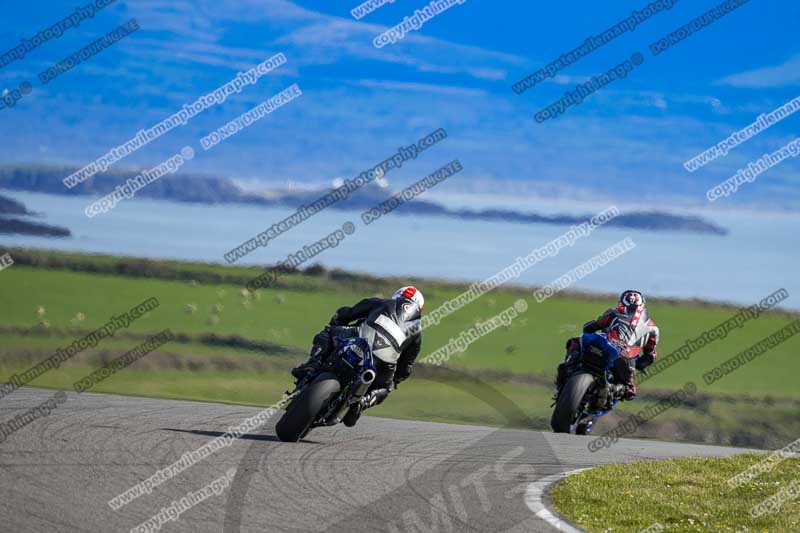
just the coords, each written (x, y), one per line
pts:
(392, 328)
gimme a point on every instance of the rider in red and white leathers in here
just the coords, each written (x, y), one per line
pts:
(631, 330)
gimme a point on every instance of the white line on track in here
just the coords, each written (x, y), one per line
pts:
(535, 493)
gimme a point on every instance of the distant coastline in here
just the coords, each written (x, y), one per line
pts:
(11, 223)
(190, 188)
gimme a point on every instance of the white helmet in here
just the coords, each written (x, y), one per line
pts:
(631, 298)
(410, 293)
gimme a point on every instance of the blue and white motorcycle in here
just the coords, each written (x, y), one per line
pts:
(589, 389)
(325, 397)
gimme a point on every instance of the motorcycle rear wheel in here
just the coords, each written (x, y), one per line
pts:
(296, 421)
(566, 413)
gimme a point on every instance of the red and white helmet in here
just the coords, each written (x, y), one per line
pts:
(410, 293)
(631, 298)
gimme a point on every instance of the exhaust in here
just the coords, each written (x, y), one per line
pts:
(364, 381)
(367, 377)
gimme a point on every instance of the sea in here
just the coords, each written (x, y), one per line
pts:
(758, 256)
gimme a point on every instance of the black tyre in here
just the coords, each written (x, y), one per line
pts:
(569, 401)
(296, 421)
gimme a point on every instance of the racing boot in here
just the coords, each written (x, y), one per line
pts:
(573, 348)
(630, 386)
(584, 427)
(370, 399)
(313, 363)
(561, 375)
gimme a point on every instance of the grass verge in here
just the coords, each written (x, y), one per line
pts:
(681, 495)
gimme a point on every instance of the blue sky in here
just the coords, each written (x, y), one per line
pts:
(360, 103)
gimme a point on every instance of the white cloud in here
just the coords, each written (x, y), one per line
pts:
(312, 38)
(422, 87)
(563, 79)
(783, 75)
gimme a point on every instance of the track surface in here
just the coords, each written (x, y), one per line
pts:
(58, 473)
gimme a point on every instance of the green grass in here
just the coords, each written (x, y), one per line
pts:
(682, 495)
(65, 285)
(533, 344)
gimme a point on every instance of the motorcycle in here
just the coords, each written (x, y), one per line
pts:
(590, 388)
(324, 396)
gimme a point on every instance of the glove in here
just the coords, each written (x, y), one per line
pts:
(631, 390)
(337, 316)
(644, 361)
(402, 374)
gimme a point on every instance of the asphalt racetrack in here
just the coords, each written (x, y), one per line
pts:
(59, 472)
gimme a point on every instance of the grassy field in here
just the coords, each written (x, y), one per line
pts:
(50, 298)
(682, 495)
